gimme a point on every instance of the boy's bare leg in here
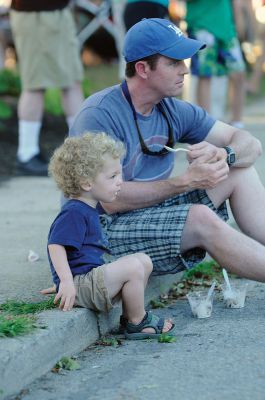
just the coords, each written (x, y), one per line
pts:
(142, 258)
(128, 276)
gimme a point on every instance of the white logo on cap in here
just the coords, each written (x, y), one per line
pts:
(176, 29)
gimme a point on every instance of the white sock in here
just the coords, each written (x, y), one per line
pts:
(70, 121)
(237, 124)
(28, 139)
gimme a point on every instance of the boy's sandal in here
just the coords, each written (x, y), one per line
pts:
(150, 320)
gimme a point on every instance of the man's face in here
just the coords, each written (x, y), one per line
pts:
(168, 77)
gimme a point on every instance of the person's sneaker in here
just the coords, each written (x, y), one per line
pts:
(36, 166)
(237, 124)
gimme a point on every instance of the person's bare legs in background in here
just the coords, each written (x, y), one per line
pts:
(203, 93)
(252, 85)
(30, 113)
(237, 94)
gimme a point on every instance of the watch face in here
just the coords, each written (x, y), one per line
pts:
(232, 158)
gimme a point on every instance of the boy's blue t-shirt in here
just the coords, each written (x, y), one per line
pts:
(77, 228)
(108, 111)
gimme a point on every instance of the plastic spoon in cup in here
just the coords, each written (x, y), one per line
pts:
(175, 150)
(210, 292)
(227, 280)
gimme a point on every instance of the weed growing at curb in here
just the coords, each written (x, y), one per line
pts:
(108, 342)
(164, 338)
(19, 307)
(18, 318)
(67, 363)
(11, 326)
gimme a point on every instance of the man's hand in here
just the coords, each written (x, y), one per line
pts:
(205, 152)
(67, 294)
(202, 175)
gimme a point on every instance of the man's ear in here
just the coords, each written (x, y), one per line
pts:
(141, 68)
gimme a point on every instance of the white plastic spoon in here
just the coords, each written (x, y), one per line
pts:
(210, 292)
(227, 280)
(175, 150)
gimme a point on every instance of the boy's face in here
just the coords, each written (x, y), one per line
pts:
(107, 183)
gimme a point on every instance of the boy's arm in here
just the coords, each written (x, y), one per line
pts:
(67, 290)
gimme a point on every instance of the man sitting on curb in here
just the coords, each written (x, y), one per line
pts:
(176, 219)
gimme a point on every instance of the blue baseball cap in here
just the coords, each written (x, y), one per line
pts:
(158, 36)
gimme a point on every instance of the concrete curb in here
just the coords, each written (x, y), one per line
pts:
(26, 358)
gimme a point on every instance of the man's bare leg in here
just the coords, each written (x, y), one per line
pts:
(246, 194)
(232, 249)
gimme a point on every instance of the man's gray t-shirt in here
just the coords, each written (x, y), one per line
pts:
(108, 111)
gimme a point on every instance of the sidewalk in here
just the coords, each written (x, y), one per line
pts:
(27, 208)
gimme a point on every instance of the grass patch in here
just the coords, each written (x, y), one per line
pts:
(202, 275)
(18, 318)
(95, 79)
(5, 110)
(17, 308)
(9, 82)
(205, 270)
(11, 326)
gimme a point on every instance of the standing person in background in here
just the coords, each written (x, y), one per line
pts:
(135, 10)
(245, 22)
(253, 83)
(47, 47)
(213, 23)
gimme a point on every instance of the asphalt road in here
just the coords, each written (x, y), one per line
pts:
(219, 358)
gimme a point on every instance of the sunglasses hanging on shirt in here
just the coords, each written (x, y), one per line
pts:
(161, 108)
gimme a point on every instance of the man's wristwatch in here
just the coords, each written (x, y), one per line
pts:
(231, 155)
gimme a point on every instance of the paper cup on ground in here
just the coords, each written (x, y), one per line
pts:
(235, 298)
(201, 305)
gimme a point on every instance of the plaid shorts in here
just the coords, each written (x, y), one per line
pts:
(157, 232)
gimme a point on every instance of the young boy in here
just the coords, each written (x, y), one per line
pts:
(87, 169)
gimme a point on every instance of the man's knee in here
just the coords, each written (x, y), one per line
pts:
(201, 221)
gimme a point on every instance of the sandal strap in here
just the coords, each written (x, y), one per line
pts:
(149, 321)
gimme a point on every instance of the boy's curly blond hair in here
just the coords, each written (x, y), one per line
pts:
(79, 159)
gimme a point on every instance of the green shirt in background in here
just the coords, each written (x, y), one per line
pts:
(214, 16)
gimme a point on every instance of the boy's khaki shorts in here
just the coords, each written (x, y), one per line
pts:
(91, 291)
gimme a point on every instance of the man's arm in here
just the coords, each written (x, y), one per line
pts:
(247, 147)
(207, 168)
(67, 290)
(135, 195)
